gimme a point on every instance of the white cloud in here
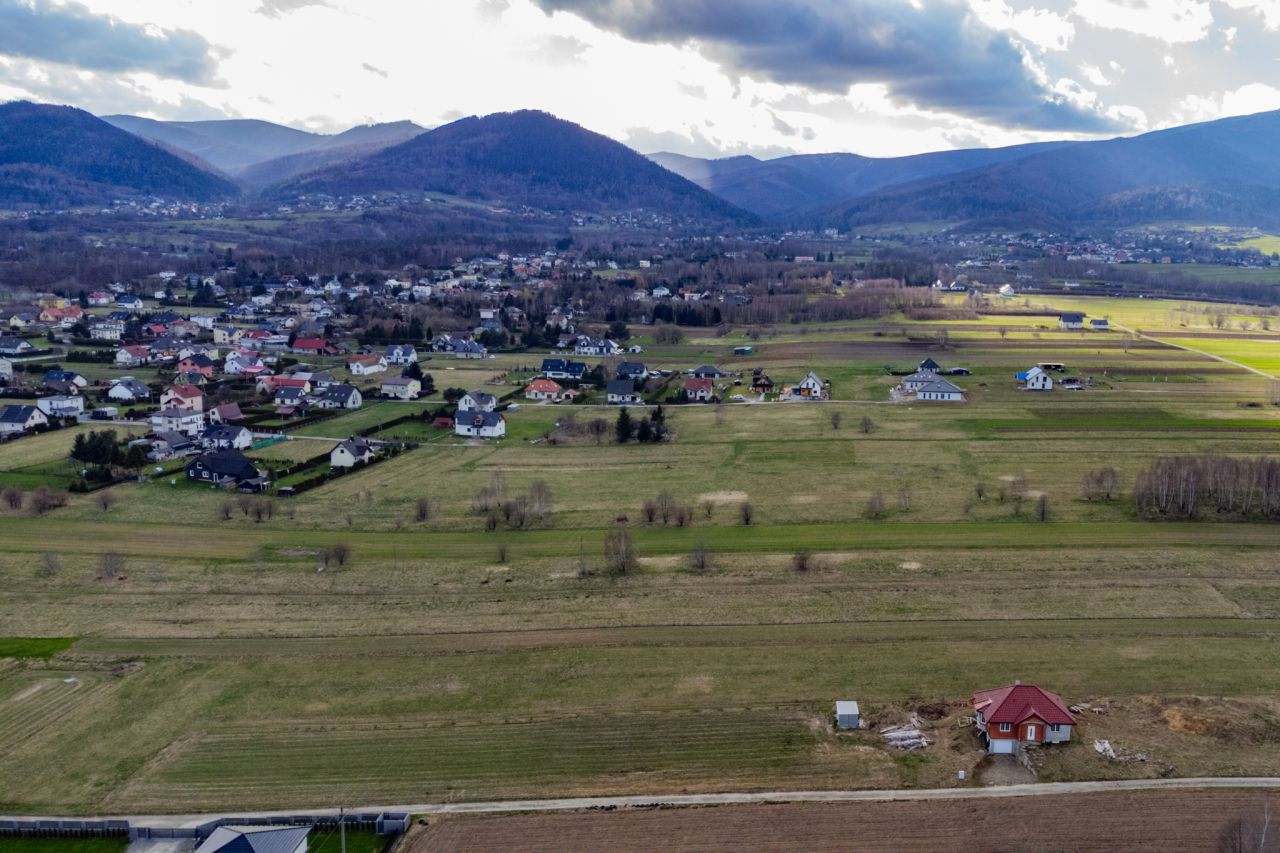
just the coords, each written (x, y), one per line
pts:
(1094, 75)
(1041, 27)
(1269, 10)
(1170, 21)
(1246, 100)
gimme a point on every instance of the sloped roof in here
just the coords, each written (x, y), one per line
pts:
(1019, 702)
(941, 386)
(255, 839)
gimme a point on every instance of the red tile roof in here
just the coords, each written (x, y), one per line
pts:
(544, 386)
(1019, 702)
(187, 391)
(694, 386)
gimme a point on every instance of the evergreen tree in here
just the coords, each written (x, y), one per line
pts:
(623, 426)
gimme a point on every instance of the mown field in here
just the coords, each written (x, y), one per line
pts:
(228, 664)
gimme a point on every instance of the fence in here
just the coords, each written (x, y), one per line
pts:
(381, 823)
(64, 828)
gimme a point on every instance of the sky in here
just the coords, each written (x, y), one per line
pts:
(708, 78)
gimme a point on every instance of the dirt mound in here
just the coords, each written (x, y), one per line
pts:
(1187, 722)
(933, 711)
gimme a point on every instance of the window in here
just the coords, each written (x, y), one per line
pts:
(1006, 727)
(1054, 728)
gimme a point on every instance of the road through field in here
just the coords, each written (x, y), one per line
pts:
(1185, 348)
(762, 797)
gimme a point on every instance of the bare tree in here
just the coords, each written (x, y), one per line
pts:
(835, 420)
(540, 499)
(1249, 833)
(720, 415)
(700, 558)
(802, 560)
(502, 552)
(619, 554)
(746, 513)
(684, 516)
(650, 510)
(110, 565)
(341, 552)
(104, 499)
(666, 505)
(245, 502)
(875, 506)
(708, 507)
(422, 510)
(45, 499)
(224, 510)
(904, 497)
(980, 491)
(1042, 508)
(598, 427)
(50, 565)
(13, 497)
(866, 425)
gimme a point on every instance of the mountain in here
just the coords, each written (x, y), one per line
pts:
(64, 157)
(774, 188)
(1222, 171)
(521, 159)
(352, 144)
(232, 145)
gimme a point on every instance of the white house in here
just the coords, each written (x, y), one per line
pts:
(19, 419)
(129, 390)
(809, 388)
(178, 420)
(267, 839)
(132, 356)
(350, 452)
(401, 354)
(478, 401)
(480, 424)
(1071, 320)
(227, 437)
(341, 397)
(107, 330)
(188, 397)
(918, 380)
(61, 407)
(622, 392)
(1036, 379)
(941, 391)
(1100, 325)
(367, 365)
(401, 388)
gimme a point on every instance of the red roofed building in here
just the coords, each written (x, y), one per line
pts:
(1020, 714)
(312, 346)
(543, 389)
(699, 390)
(187, 398)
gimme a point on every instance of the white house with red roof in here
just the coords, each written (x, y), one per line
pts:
(187, 398)
(1021, 714)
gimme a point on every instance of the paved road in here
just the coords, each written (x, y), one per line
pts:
(575, 803)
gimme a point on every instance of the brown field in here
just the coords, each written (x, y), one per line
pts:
(1129, 821)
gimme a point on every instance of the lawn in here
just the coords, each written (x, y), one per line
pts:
(63, 845)
(34, 647)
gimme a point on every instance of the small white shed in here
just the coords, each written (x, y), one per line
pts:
(847, 715)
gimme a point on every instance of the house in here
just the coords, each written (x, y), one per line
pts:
(132, 356)
(129, 390)
(227, 413)
(341, 397)
(699, 390)
(401, 354)
(1035, 379)
(311, 346)
(622, 392)
(708, 371)
(186, 397)
(1071, 320)
(366, 365)
(558, 368)
(65, 377)
(178, 420)
(543, 389)
(14, 346)
(98, 298)
(107, 330)
(941, 390)
(168, 444)
(929, 366)
(226, 468)
(197, 363)
(226, 437)
(62, 316)
(226, 335)
(587, 345)
(918, 380)
(256, 839)
(61, 406)
(478, 401)
(15, 420)
(350, 452)
(480, 424)
(809, 388)
(760, 382)
(631, 370)
(291, 396)
(1100, 325)
(458, 347)
(1020, 714)
(6, 370)
(401, 388)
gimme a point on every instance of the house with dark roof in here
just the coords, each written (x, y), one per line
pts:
(631, 370)
(129, 390)
(475, 424)
(478, 401)
(351, 452)
(1071, 320)
(1019, 714)
(622, 392)
(699, 390)
(256, 839)
(227, 437)
(708, 371)
(15, 420)
(14, 346)
(227, 413)
(226, 468)
(340, 397)
(401, 354)
(559, 368)
(941, 391)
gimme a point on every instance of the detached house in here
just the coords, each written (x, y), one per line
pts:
(341, 397)
(311, 346)
(401, 388)
(129, 390)
(480, 424)
(543, 389)
(15, 420)
(61, 406)
(622, 392)
(132, 356)
(1071, 320)
(186, 397)
(810, 388)
(918, 380)
(197, 363)
(402, 355)
(226, 468)
(631, 370)
(367, 365)
(227, 437)
(351, 452)
(559, 368)
(14, 346)
(178, 420)
(1035, 379)
(699, 390)
(478, 401)
(941, 391)
(1021, 714)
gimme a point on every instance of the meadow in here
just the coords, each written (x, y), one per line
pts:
(228, 665)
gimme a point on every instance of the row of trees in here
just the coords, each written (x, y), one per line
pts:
(1182, 486)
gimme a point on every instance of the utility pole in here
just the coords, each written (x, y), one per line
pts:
(342, 828)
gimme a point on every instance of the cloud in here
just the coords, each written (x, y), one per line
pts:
(276, 8)
(101, 94)
(781, 126)
(492, 10)
(694, 143)
(934, 54)
(70, 34)
(1171, 21)
(374, 70)
(557, 50)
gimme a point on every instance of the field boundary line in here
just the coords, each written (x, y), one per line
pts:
(1185, 348)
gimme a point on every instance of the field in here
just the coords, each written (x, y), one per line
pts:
(233, 663)
(1154, 822)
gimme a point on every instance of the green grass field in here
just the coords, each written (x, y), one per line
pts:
(227, 667)
(63, 845)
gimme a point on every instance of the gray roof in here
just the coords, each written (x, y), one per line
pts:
(357, 447)
(255, 839)
(481, 397)
(135, 387)
(340, 392)
(16, 414)
(941, 386)
(486, 419)
(621, 387)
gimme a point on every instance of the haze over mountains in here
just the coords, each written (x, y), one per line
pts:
(1223, 171)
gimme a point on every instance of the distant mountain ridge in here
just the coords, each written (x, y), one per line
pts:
(525, 158)
(53, 156)
(237, 146)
